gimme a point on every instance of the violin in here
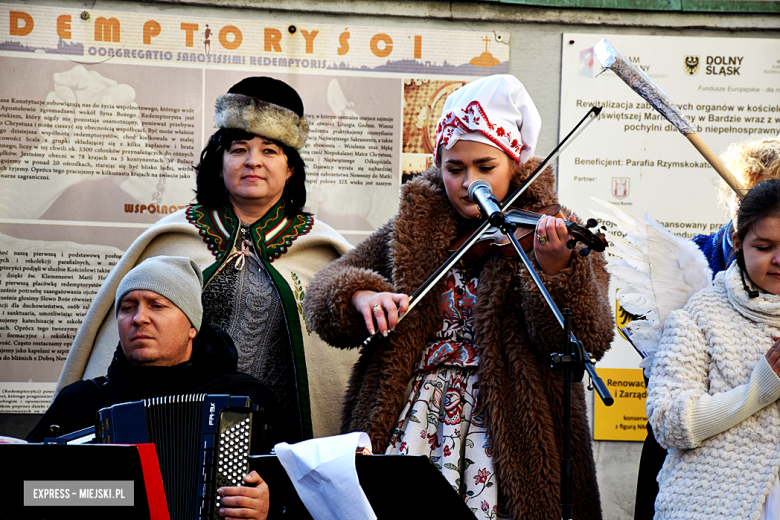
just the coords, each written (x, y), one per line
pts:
(468, 239)
(494, 241)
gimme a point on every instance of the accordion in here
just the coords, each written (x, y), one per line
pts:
(202, 441)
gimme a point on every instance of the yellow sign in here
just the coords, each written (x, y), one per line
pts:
(626, 419)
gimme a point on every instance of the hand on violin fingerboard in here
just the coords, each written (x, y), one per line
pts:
(550, 244)
(381, 311)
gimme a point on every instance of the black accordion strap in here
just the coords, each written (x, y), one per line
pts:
(102, 383)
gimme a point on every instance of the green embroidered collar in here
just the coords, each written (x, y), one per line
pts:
(272, 235)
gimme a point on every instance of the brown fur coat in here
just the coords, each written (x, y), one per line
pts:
(515, 334)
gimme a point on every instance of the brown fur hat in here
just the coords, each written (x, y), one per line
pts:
(264, 106)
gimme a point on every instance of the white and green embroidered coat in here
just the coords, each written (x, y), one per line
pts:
(293, 249)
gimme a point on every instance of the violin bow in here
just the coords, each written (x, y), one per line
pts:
(611, 58)
(420, 293)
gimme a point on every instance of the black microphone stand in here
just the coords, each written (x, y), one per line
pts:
(574, 361)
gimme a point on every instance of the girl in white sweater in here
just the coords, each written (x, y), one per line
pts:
(712, 397)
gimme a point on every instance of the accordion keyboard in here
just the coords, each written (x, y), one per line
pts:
(235, 433)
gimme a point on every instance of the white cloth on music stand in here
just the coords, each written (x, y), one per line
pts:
(324, 475)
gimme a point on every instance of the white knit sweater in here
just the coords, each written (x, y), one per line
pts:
(712, 403)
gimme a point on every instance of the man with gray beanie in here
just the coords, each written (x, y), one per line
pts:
(169, 288)
(166, 349)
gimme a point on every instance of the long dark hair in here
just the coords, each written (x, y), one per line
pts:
(210, 188)
(762, 201)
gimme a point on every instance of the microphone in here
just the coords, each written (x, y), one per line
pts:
(481, 192)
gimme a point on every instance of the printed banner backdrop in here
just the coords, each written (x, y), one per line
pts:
(102, 117)
(634, 158)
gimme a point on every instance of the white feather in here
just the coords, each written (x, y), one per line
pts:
(657, 272)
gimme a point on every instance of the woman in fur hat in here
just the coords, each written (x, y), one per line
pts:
(257, 249)
(465, 378)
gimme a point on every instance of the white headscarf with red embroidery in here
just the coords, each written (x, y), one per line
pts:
(496, 111)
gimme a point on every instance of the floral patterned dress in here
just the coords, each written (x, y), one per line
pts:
(442, 417)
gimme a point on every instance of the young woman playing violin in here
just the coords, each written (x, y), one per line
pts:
(465, 377)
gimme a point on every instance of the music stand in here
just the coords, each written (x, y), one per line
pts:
(427, 494)
(72, 467)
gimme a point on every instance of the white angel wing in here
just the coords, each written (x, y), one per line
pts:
(657, 270)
